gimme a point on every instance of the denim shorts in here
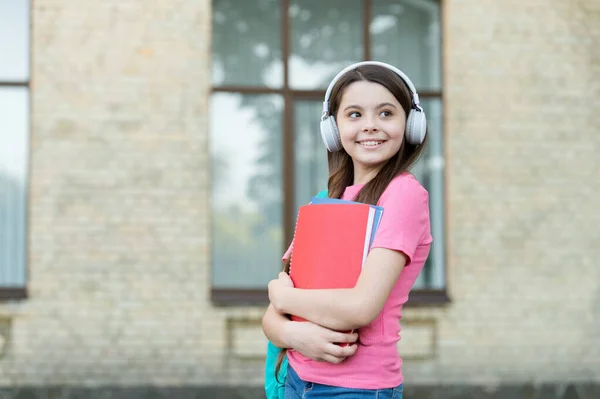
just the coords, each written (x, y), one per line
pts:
(295, 388)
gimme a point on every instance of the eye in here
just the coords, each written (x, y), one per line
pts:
(385, 113)
(354, 114)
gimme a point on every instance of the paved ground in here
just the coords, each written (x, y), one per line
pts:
(572, 391)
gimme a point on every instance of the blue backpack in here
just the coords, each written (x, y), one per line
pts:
(275, 387)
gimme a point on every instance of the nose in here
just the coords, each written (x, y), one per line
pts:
(370, 127)
(369, 123)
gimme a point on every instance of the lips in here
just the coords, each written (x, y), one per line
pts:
(371, 143)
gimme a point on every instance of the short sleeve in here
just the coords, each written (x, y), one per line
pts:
(405, 220)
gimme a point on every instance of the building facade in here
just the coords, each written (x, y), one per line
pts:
(155, 154)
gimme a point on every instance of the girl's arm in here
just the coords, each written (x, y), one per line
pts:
(311, 340)
(343, 309)
(275, 327)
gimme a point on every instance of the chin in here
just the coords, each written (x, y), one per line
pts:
(371, 163)
(372, 159)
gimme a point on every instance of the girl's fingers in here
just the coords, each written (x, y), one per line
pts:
(340, 351)
(342, 338)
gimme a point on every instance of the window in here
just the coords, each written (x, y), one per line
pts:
(272, 62)
(14, 144)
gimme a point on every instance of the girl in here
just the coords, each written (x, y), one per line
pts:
(374, 129)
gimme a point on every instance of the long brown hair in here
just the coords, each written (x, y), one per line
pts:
(341, 168)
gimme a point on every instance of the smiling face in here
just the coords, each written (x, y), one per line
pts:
(371, 123)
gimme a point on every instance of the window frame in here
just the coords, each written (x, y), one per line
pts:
(21, 293)
(250, 296)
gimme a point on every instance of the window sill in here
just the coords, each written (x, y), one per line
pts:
(222, 297)
(12, 294)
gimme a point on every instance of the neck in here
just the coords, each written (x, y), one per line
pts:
(365, 175)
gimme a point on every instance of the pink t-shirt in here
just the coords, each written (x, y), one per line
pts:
(404, 227)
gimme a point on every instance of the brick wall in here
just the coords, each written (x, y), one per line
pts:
(522, 85)
(118, 239)
(119, 223)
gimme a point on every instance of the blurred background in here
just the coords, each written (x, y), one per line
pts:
(153, 156)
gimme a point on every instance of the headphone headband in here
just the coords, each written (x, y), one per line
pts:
(398, 72)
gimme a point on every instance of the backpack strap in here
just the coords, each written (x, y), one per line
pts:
(322, 194)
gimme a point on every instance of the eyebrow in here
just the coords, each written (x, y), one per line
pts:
(379, 106)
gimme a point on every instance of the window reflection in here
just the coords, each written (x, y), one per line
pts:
(246, 152)
(406, 34)
(14, 146)
(326, 36)
(311, 170)
(247, 43)
(14, 41)
(429, 170)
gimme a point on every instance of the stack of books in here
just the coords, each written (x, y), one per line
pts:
(331, 242)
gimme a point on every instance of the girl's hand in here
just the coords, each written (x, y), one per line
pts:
(319, 343)
(277, 290)
(285, 280)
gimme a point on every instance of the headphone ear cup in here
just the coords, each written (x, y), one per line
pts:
(330, 134)
(416, 127)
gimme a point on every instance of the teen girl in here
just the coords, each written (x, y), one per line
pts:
(374, 130)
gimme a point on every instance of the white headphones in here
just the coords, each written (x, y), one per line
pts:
(416, 124)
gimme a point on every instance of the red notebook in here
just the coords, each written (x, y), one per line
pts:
(331, 243)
